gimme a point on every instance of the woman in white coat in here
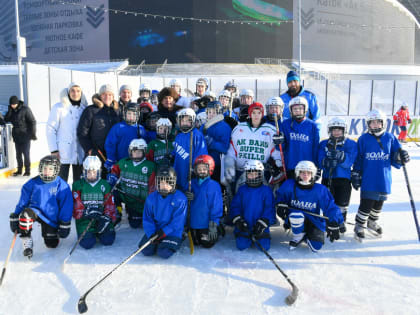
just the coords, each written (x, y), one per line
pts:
(62, 131)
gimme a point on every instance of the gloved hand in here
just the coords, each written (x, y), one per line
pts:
(209, 140)
(14, 222)
(103, 222)
(33, 137)
(112, 179)
(189, 195)
(230, 174)
(318, 174)
(259, 227)
(282, 210)
(329, 164)
(409, 121)
(240, 224)
(333, 231)
(160, 235)
(278, 139)
(338, 155)
(213, 231)
(356, 179)
(404, 156)
(108, 165)
(169, 157)
(92, 212)
(63, 229)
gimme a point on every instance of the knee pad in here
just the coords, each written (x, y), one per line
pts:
(88, 241)
(315, 235)
(165, 252)
(243, 243)
(314, 245)
(149, 250)
(26, 220)
(107, 238)
(51, 242)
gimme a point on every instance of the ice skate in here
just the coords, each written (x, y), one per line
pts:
(27, 244)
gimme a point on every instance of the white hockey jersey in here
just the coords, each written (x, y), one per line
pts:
(248, 143)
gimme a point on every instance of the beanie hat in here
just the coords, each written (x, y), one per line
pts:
(167, 92)
(106, 88)
(72, 85)
(125, 87)
(13, 100)
(292, 76)
(255, 105)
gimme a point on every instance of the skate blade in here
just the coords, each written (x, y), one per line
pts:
(359, 239)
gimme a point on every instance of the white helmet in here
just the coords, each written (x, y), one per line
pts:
(145, 87)
(202, 81)
(224, 93)
(274, 101)
(92, 163)
(201, 119)
(298, 100)
(175, 82)
(247, 92)
(376, 115)
(337, 123)
(165, 122)
(254, 166)
(210, 94)
(137, 144)
(305, 166)
(186, 112)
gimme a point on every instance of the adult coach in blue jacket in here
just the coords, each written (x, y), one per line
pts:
(295, 89)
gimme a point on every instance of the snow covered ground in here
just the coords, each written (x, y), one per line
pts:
(379, 276)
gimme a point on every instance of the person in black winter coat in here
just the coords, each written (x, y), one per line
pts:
(167, 108)
(24, 130)
(96, 121)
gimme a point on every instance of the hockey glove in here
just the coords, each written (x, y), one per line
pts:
(409, 121)
(108, 165)
(209, 140)
(333, 231)
(278, 139)
(356, 179)
(260, 227)
(240, 224)
(404, 156)
(189, 195)
(169, 158)
(103, 222)
(213, 231)
(329, 164)
(92, 212)
(340, 156)
(14, 222)
(63, 229)
(158, 236)
(282, 210)
(112, 179)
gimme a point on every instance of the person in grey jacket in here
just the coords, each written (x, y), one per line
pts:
(24, 130)
(62, 131)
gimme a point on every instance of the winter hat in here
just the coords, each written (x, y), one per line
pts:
(106, 88)
(255, 105)
(72, 84)
(147, 105)
(13, 100)
(125, 87)
(167, 92)
(292, 76)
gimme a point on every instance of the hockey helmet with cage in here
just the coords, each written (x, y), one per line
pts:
(137, 145)
(165, 180)
(380, 117)
(309, 167)
(254, 173)
(186, 112)
(92, 164)
(48, 168)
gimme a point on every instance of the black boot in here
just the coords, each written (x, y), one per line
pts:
(27, 172)
(18, 172)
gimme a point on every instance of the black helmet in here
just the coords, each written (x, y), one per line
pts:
(166, 174)
(54, 162)
(151, 120)
(133, 108)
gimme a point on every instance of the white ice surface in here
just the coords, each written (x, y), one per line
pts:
(379, 276)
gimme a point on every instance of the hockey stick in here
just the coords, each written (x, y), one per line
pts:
(87, 228)
(189, 202)
(283, 162)
(8, 257)
(313, 214)
(331, 169)
(412, 140)
(81, 305)
(129, 195)
(291, 298)
(413, 206)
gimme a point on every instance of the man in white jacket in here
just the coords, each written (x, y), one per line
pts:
(62, 131)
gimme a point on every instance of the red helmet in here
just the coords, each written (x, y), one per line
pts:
(255, 105)
(205, 159)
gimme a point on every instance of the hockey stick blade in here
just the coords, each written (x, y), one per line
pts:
(293, 296)
(81, 305)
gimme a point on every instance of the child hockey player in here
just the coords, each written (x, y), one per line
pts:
(158, 148)
(274, 108)
(151, 120)
(181, 152)
(402, 118)
(137, 181)
(336, 155)
(252, 208)
(207, 203)
(92, 200)
(164, 215)
(47, 199)
(297, 198)
(217, 135)
(301, 136)
(121, 134)
(377, 150)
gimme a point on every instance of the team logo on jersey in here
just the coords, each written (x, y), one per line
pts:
(299, 137)
(265, 133)
(241, 130)
(75, 195)
(103, 188)
(303, 204)
(144, 170)
(377, 156)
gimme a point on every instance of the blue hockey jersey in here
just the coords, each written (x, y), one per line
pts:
(52, 202)
(301, 142)
(182, 155)
(207, 204)
(253, 203)
(220, 137)
(342, 170)
(374, 161)
(168, 214)
(318, 200)
(119, 138)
